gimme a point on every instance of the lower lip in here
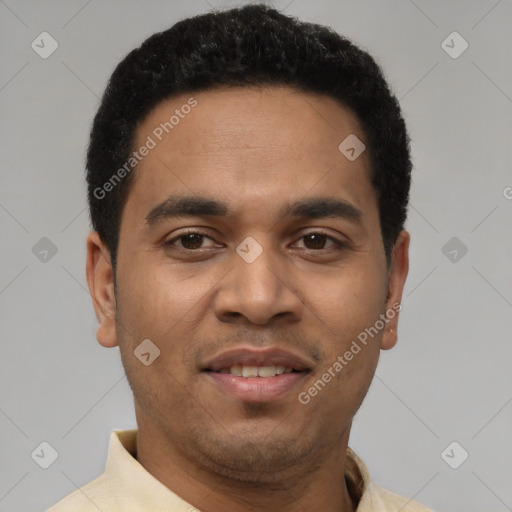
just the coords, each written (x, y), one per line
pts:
(256, 389)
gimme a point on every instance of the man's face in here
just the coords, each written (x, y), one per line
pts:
(254, 279)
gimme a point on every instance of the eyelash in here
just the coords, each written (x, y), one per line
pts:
(169, 243)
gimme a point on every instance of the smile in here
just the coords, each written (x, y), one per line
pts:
(251, 374)
(256, 371)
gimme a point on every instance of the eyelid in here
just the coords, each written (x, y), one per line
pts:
(337, 241)
(188, 231)
(200, 231)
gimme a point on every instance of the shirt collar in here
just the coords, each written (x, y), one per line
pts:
(134, 487)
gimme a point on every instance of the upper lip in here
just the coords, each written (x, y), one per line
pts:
(271, 356)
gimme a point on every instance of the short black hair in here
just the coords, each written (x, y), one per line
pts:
(255, 45)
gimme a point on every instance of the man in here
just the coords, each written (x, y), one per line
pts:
(248, 185)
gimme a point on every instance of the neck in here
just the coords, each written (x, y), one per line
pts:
(317, 483)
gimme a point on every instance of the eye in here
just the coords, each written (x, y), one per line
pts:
(193, 240)
(317, 240)
(190, 241)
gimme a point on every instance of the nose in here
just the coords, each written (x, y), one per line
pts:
(260, 290)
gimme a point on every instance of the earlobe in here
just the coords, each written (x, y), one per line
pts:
(100, 279)
(399, 268)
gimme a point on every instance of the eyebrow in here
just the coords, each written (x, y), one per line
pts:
(194, 206)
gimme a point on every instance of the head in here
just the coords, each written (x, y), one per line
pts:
(234, 119)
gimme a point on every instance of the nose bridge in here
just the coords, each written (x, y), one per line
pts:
(258, 287)
(257, 267)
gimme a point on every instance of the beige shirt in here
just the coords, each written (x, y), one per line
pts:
(125, 486)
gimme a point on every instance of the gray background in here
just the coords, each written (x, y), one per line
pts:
(448, 379)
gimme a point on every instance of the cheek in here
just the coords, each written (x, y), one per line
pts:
(165, 304)
(156, 296)
(155, 303)
(350, 299)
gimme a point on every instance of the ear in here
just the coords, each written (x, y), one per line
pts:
(397, 274)
(100, 278)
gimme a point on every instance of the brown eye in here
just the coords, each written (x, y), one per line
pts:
(191, 241)
(317, 240)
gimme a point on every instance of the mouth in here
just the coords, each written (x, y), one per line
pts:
(256, 371)
(251, 375)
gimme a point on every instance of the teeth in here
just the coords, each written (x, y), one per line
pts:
(256, 371)
(249, 371)
(235, 370)
(266, 371)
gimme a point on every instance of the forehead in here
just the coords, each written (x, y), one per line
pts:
(249, 146)
(234, 117)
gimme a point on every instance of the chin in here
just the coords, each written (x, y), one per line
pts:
(254, 458)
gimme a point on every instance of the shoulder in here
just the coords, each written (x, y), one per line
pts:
(373, 497)
(88, 498)
(376, 498)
